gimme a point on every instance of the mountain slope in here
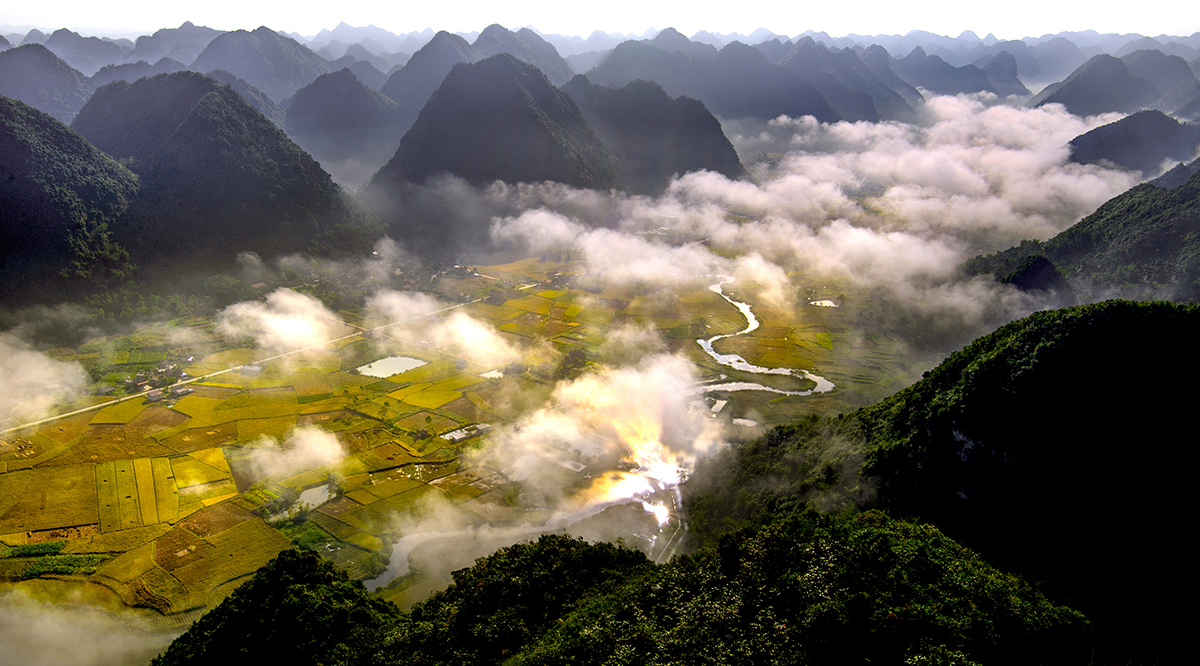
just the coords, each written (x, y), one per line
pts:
(1100, 85)
(1145, 242)
(654, 136)
(1140, 142)
(818, 590)
(274, 64)
(1013, 446)
(217, 177)
(412, 85)
(60, 197)
(32, 74)
(525, 46)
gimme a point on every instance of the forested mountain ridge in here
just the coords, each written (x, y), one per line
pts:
(810, 589)
(1145, 241)
(60, 199)
(1010, 446)
(215, 173)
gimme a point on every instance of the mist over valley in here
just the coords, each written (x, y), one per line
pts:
(729, 347)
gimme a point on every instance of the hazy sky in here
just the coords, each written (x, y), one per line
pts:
(1015, 18)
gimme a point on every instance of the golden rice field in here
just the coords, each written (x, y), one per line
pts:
(179, 504)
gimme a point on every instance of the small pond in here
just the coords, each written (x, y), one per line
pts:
(392, 365)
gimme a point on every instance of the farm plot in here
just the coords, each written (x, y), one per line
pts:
(48, 498)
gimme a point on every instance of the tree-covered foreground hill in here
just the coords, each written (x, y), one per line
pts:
(812, 589)
(1043, 446)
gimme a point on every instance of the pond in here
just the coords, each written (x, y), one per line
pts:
(392, 365)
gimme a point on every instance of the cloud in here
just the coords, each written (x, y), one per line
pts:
(287, 321)
(32, 382)
(305, 448)
(408, 317)
(638, 414)
(35, 633)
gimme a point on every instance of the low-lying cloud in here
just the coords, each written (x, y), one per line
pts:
(32, 381)
(305, 448)
(418, 319)
(36, 633)
(287, 321)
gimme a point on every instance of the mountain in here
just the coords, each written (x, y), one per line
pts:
(173, 42)
(673, 41)
(132, 71)
(1001, 70)
(1057, 58)
(1143, 243)
(86, 54)
(32, 74)
(412, 85)
(851, 89)
(949, 450)
(819, 589)
(217, 177)
(937, 76)
(4, 43)
(526, 46)
(276, 65)
(1010, 446)
(653, 136)
(338, 120)
(1140, 142)
(60, 199)
(500, 119)
(368, 75)
(738, 82)
(1166, 73)
(1023, 57)
(253, 96)
(774, 49)
(1100, 85)
(879, 62)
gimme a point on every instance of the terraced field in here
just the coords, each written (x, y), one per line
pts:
(170, 504)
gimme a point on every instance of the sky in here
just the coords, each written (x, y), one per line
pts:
(1019, 18)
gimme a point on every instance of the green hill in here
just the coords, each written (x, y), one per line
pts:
(1139, 142)
(1029, 446)
(60, 197)
(217, 177)
(1144, 242)
(808, 590)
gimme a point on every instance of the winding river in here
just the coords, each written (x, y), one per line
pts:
(736, 362)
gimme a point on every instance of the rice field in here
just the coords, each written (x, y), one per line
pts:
(148, 491)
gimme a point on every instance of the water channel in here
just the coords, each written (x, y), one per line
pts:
(736, 361)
